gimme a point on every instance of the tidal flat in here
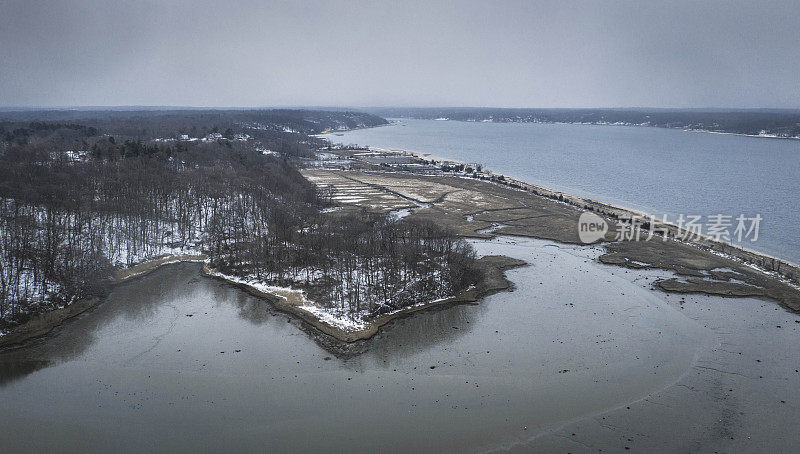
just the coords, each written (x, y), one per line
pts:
(579, 354)
(479, 209)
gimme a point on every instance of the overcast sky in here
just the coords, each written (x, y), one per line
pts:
(403, 53)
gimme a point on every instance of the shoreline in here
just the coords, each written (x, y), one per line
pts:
(44, 323)
(629, 125)
(321, 135)
(754, 136)
(469, 205)
(493, 281)
(763, 261)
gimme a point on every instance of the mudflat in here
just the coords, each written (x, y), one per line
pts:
(480, 209)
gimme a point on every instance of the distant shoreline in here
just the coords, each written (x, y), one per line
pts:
(754, 136)
(628, 125)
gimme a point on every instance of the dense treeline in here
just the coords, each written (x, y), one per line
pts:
(64, 223)
(781, 123)
(21, 134)
(75, 203)
(282, 131)
(364, 264)
(169, 123)
(59, 134)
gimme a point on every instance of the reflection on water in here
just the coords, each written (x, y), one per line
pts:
(14, 369)
(134, 301)
(178, 362)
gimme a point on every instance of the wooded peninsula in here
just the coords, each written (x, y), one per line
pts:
(87, 193)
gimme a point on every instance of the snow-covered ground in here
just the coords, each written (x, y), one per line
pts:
(26, 288)
(333, 316)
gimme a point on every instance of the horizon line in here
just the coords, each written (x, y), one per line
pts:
(134, 107)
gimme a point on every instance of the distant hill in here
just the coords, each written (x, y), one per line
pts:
(162, 122)
(756, 122)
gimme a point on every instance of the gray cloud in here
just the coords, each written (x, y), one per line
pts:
(423, 53)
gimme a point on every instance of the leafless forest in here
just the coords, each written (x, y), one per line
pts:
(84, 192)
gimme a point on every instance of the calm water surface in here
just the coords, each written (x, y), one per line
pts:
(658, 171)
(178, 362)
